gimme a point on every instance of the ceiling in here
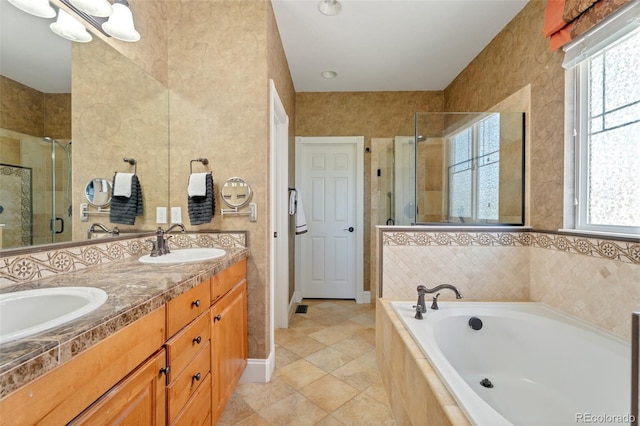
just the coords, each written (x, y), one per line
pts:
(373, 45)
(387, 45)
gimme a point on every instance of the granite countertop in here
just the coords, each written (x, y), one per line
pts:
(134, 290)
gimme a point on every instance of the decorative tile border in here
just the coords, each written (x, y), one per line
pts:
(31, 266)
(628, 252)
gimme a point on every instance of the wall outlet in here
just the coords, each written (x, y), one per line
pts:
(176, 214)
(161, 215)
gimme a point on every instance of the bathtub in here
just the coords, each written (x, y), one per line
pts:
(537, 366)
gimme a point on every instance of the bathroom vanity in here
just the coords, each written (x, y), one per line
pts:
(170, 349)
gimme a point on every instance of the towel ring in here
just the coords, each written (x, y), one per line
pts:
(133, 162)
(200, 160)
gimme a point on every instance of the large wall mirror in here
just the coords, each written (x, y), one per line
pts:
(55, 137)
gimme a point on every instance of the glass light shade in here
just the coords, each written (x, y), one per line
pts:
(329, 7)
(120, 24)
(39, 8)
(66, 26)
(101, 8)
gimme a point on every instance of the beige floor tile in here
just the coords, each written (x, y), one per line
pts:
(284, 335)
(293, 410)
(377, 392)
(304, 325)
(236, 410)
(334, 333)
(261, 395)
(353, 346)
(329, 393)
(300, 373)
(284, 357)
(364, 410)
(360, 373)
(303, 346)
(329, 421)
(329, 359)
(366, 319)
(254, 420)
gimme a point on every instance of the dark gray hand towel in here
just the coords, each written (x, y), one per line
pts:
(202, 209)
(125, 209)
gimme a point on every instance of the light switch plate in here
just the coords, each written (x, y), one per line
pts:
(176, 214)
(161, 215)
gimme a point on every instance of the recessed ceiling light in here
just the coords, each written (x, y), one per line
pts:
(329, 7)
(329, 74)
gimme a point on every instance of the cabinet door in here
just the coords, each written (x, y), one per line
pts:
(228, 344)
(137, 400)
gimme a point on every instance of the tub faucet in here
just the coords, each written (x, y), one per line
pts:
(421, 307)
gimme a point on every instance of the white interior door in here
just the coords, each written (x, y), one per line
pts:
(328, 256)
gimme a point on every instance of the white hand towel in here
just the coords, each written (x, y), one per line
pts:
(301, 220)
(292, 202)
(197, 185)
(122, 185)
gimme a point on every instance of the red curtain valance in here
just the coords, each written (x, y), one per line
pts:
(567, 19)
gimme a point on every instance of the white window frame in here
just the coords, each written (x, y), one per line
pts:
(475, 190)
(577, 55)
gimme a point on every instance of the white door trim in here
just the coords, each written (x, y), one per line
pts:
(279, 218)
(358, 141)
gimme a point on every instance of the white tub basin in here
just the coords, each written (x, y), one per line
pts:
(184, 256)
(24, 313)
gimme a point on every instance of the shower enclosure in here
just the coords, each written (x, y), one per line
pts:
(457, 168)
(35, 190)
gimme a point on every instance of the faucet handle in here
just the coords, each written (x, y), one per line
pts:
(434, 305)
(154, 247)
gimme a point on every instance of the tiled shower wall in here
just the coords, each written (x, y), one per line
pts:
(595, 280)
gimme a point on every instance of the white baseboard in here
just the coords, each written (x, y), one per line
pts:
(363, 297)
(259, 370)
(297, 298)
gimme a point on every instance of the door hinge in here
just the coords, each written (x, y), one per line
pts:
(275, 235)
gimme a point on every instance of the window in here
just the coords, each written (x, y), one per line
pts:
(474, 171)
(608, 138)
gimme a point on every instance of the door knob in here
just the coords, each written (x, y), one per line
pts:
(350, 229)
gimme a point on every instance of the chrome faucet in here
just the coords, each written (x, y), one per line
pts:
(92, 230)
(176, 225)
(421, 307)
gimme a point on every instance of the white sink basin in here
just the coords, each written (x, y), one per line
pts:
(184, 256)
(23, 313)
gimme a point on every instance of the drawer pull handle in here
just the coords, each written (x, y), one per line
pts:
(217, 318)
(197, 340)
(165, 370)
(196, 377)
(196, 303)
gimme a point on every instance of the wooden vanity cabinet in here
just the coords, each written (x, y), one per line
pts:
(228, 335)
(139, 399)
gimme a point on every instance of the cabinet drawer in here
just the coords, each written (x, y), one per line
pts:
(225, 280)
(198, 409)
(186, 383)
(182, 347)
(186, 307)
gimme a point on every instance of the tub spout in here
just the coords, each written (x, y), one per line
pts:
(422, 290)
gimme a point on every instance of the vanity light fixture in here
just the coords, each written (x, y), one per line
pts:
(66, 26)
(39, 8)
(329, 7)
(101, 8)
(120, 23)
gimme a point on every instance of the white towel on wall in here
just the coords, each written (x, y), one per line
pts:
(301, 220)
(197, 185)
(122, 185)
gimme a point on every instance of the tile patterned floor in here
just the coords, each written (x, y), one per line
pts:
(326, 373)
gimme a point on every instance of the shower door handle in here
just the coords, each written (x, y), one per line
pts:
(52, 225)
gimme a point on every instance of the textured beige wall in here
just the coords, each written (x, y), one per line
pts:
(519, 56)
(368, 114)
(221, 55)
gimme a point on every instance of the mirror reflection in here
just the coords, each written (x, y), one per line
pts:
(98, 192)
(118, 110)
(235, 192)
(458, 168)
